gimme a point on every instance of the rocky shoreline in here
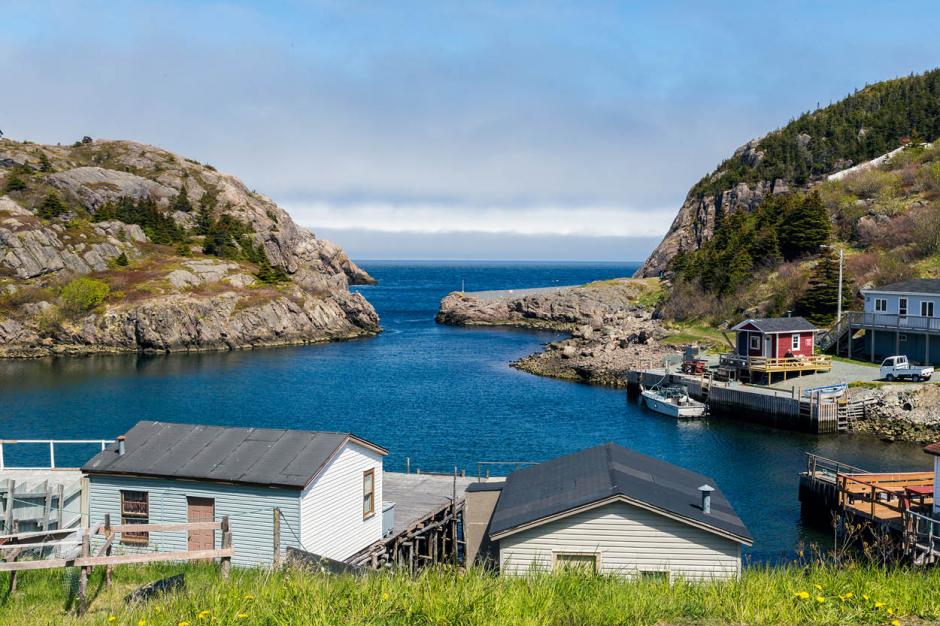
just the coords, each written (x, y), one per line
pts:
(900, 412)
(611, 325)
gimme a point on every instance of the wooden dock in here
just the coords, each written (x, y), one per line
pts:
(428, 521)
(786, 410)
(897, 505)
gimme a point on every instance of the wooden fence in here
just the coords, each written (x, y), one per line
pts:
(74, 550)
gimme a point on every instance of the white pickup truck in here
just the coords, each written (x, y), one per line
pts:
(895, 367)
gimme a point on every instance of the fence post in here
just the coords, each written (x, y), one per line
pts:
(61, 512)
(13, 573)
(225, 565)
(51, 455)
(8, 521)
(82, 604)
(277, 538)
(108, 534)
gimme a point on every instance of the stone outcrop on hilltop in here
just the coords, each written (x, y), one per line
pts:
(610, 324)
(266, 281)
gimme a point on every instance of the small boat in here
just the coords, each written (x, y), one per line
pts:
(828, 391)
(673, 401)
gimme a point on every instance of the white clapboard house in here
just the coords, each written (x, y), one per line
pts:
(613, 511)
(327, 486)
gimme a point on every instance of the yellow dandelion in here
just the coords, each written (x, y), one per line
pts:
(802, 595)
(385, 595)
(242, 615)
(248, 596)
(820, 599)
(849, 595)
(895, 622)
(183, 623)
(878, 605)
(203, 614)
(890, 611)
(865, 596)
(142, 622)
(112, 619)
(818, 587)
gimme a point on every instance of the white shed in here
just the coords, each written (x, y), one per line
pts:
(327, 487)
(615, 511)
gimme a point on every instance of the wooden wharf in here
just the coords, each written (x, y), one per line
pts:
(898, 505)
(793, 410)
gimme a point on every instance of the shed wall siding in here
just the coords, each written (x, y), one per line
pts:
(331, 522)
(250, 511)
(629, 540)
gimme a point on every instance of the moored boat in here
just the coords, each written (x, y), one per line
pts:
(673, 401)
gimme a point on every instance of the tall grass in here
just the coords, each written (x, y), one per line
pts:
(789, 595)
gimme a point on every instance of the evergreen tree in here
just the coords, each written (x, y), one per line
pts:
(15, 181)
(121, 260)
(45, 165)
(804, 226)
(51, 206)
(819, 302)
(182, 203)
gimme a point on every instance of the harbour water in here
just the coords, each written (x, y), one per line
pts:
(439, 396)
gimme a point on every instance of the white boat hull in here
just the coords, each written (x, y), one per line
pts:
(655, 403)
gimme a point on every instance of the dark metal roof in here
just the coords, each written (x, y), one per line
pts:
(597, 474)
(496, 485)
(256, 456)
(915, 285)
(779, 325)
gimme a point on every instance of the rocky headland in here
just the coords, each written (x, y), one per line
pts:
(117, 246)
(610, 324)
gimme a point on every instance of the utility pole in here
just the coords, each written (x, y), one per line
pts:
(839, 305)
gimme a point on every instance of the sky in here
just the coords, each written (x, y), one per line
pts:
(489, 130)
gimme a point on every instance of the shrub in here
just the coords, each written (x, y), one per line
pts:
(45, 165)
(182, 203)
(872, 183)
(183, 250)
(83, 294)
(15, 181)
(121, 260)
(51, 206)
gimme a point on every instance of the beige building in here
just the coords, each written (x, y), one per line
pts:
(610, 510)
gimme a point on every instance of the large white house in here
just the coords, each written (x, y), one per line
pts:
(327, 487)
(608, 509)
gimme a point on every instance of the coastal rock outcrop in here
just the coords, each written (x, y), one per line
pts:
(610, 325)
(176, 256)
(900, 412)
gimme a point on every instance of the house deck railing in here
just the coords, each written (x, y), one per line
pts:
(777, 364)
(891, 321)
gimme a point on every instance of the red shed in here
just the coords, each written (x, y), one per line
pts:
(775, 337)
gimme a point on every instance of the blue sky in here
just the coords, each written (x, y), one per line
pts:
(515, 125)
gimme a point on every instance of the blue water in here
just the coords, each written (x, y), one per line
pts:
(438, 395)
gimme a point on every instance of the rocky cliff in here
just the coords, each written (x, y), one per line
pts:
(610, 322)
(116, 246)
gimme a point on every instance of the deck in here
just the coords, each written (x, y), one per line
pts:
(416, 496)
(777, 365)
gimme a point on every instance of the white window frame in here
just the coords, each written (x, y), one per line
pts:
(755, 341)
(881, 305)
(926, 308)
(368, 493)
(563, 553)
(902, 306)
(795, 341)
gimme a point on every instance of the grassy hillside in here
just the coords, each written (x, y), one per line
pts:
(769, 261)
(762, 596)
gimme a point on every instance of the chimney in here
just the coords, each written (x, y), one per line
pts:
(120, 441)
(706, 491)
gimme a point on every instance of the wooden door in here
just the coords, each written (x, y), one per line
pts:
(200, 510)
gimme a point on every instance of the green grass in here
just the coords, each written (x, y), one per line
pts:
(702, 334)
(843, 359)
(444, 596)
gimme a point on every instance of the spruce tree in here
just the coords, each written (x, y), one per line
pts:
(182, 203)
(819, 302)
(804, 226)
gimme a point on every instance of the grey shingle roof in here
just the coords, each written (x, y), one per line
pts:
(548, 489)
(915, 285)
(256, 456)
(780, 324)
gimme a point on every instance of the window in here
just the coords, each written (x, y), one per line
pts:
(368, 493)
(795, 342)
(902, 337)
(881, 305)
(581, 561)
(926, 309)
(755, 342)
(902, 306)
(135, 509)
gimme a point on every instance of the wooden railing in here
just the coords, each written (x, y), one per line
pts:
(778, 364)
(14, 546)
(822, 467)
(886, 491)
(892, 321)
